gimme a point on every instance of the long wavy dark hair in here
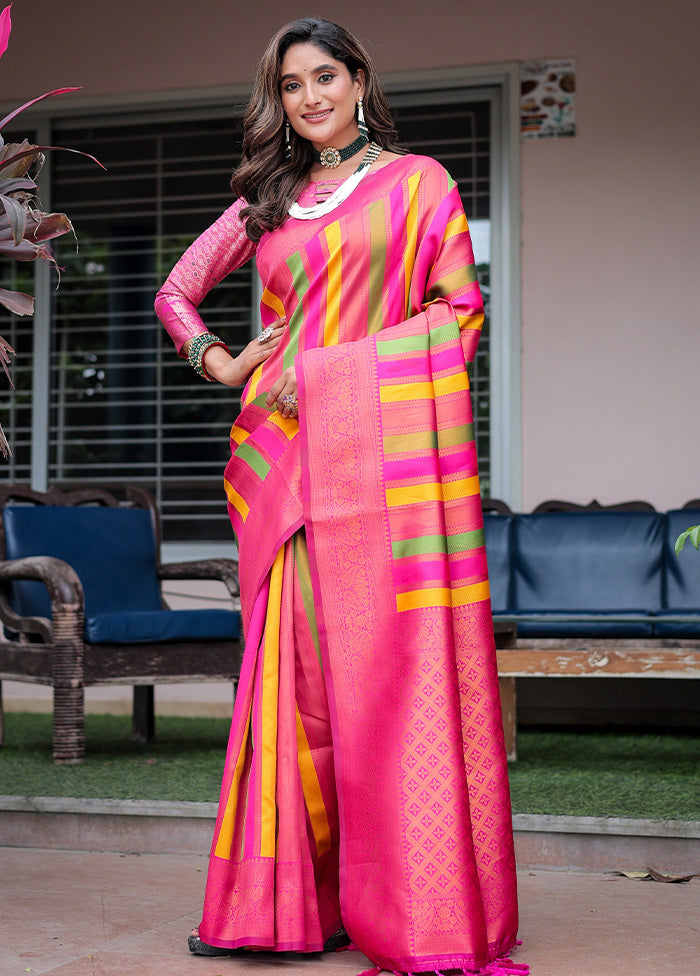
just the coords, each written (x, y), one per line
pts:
(268, 182)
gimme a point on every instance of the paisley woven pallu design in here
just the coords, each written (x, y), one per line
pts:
(379, 638)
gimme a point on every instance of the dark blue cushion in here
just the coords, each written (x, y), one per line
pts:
(497, 538)
(588, 561)
(111, 549)
(626, 624)
(163, 625)
(682, 583)
(683, 624)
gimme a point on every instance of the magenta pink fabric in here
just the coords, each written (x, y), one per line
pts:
(379, 477)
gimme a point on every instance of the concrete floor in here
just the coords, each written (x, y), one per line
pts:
(104, 914)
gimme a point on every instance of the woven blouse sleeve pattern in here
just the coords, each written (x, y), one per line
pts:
(221, 249)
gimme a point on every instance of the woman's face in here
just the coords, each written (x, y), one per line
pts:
(319, 96)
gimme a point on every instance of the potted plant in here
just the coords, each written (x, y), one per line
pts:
(25, 229)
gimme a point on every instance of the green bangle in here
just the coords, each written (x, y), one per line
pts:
(198, 347)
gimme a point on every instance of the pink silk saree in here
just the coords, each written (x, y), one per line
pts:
(365, 777)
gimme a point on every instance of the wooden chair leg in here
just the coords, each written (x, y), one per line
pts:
(143, 726)
(68, 724)
(507, 689)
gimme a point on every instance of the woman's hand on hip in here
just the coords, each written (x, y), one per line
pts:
(234, 371)
(283, 394)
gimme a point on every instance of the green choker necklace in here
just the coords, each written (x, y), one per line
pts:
(332, 158)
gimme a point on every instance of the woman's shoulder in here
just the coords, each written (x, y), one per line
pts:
(411, 163)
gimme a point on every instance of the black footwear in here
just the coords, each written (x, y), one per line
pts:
(199, 948)
(339, 940)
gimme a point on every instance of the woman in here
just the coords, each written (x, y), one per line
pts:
(365, 784)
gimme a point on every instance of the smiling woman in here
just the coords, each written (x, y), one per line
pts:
(365, 792)
(277, 159)
(320, 99)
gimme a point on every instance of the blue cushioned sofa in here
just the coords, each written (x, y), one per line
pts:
(594, 592)
(81, 605)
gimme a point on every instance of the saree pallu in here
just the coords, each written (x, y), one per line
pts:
(366, 777)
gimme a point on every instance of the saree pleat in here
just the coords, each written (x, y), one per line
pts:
(273, 878)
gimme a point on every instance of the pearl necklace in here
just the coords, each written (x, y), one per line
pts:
(341, 193)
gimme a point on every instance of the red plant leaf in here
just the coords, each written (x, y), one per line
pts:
(20, 183)
(20, 304)
(24, 251)
(44, 227)
(20, 162)
(17, 158)
(5, 28)
(4, 445)
(17, 215)
(15, 112)
(40, 149)
(27, 251)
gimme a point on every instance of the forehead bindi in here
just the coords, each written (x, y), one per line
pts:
(303, 60)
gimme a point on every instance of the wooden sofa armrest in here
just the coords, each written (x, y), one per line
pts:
(61, 581)
(225, 570)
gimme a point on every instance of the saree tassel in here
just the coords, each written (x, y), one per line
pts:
(499, 967)
(505, 967)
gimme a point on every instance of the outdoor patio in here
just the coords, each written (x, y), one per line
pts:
(71, 913)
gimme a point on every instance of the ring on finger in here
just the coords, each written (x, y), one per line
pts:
(290, 401)
(265, 335)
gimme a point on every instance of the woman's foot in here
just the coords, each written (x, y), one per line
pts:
(339, 940)
(199, 948)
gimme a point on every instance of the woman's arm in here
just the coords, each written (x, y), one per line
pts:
(221, 249)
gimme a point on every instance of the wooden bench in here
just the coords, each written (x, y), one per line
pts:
(592, 658)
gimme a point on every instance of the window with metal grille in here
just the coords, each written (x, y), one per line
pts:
(16, 406)
(123, 407)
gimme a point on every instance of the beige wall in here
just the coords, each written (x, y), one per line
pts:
(611, 332)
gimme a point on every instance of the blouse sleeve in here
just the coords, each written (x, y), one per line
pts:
(221, 249)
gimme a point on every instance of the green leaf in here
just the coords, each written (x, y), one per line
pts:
(693, 533)
(681, 541)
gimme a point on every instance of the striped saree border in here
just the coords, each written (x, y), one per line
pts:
(430, 466)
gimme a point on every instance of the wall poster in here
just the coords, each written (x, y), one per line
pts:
(548, 99)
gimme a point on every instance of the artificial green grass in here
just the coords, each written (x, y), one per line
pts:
(184, 763)
(574, 773)
(607, 774)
